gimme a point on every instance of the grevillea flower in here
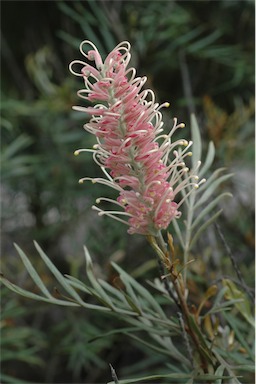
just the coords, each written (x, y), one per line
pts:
(138, 160)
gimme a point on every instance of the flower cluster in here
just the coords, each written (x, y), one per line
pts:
(139, 161)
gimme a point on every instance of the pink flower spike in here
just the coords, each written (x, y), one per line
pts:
(144, 166)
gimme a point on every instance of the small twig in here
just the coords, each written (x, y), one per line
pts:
(186, 340)
(234, 263)
(113, 374)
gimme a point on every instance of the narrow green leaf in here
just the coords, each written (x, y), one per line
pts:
(131, 297)
(219, 296)
(210, 188)
(203, 345)
(89, 271)
(148, 378)
(89, 32)
(126, 330)
(141, 290)
(33, 273)
(246, 367)
(21, 142)
(73, 41)
(209, 208)
(114, 291)
(229, 369)
(33, 296)
(105, 30)
(172, 376)
(158, 285)
(97, 14)
(119, 300)
(225, 306)
(61, 279)
(197, 143)
(209, 377)
(178, 232)
(204, 42)
(26, 355)
(204, 226)
(243, 303)
(239, 335)
(208, 160)
(114, 332)
(85, 16)
(133, 305)
(106, 306)
(185, 38)
(164, 351)
(219, 372)
(78, 284)
(210, 180)
(71, 12)
(156, 328)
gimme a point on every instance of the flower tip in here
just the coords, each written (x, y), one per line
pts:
(166, 104)
(182, 125)
(80, 181)
(76, 153)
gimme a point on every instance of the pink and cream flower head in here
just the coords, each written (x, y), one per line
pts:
(144, 165)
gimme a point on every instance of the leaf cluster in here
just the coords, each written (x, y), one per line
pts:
(201, 204)
(128, 300)
(19, 343)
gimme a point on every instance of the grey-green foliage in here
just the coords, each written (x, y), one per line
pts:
(201, 207)
(75, 336)
(176, 28)
(160, 33)
(18, 343)
(88, 18)
(38, 141)
(136, 305)
(15, 159)
(13, 162)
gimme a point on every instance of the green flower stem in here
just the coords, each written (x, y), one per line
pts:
(191, 203)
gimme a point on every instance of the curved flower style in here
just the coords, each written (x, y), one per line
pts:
(131, 149)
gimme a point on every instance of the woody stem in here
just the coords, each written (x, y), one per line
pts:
(160, 247)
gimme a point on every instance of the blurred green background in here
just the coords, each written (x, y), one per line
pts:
(199, 56)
